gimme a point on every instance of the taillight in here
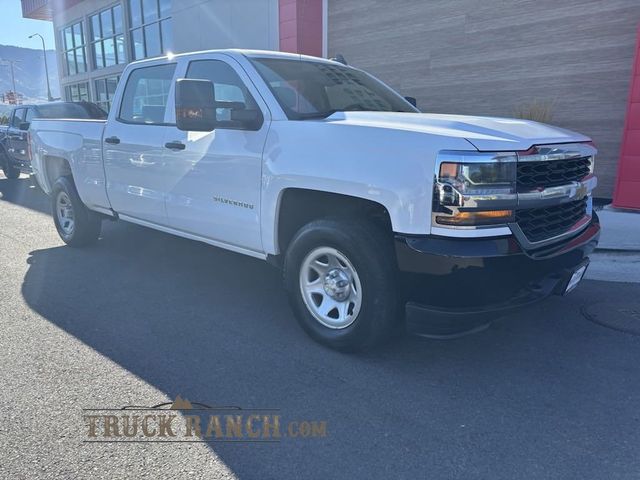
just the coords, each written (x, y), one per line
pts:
(29, 146)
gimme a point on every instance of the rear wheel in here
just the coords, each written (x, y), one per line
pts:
(10, 171)
(76, 224)
(341, 281)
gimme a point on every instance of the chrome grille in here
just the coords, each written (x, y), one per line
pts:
(535, 175)
(543, 223)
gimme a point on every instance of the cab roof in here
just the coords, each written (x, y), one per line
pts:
(235, 52)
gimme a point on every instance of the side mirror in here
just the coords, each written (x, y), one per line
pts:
(195, 105)
(412, 101)
(24, 126)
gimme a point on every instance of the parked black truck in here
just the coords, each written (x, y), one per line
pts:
(14, 150)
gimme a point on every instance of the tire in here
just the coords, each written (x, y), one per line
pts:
(10, 171)
(76, 224)
(360, 280)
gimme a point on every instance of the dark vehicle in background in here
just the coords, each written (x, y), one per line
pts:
(14, 145)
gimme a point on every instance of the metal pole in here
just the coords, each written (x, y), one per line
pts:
(13, 76)
(46, 67)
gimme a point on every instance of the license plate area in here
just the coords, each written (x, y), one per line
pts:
(576, 277)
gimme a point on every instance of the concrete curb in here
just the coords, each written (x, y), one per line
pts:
(622, 251)
(620, 230)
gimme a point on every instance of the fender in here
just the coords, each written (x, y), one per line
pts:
(354, 160)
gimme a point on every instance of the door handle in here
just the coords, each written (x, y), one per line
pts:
(175, 145)
(112, 140)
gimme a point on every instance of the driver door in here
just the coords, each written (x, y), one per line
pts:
(215, 177)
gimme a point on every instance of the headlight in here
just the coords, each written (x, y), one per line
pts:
(475, 189)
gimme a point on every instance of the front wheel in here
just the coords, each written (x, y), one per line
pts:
(76, 224)
(341, 281)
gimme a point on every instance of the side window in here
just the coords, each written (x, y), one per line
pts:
(145, 96)
(230, 91)
(31, 114)
(17, 118)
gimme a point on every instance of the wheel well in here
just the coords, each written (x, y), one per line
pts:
(299, 207)
(56, 167)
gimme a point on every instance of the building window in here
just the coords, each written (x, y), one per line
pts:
(105, 90)
(78, 92)
(107, 37)
(74, 51)
(151, 28)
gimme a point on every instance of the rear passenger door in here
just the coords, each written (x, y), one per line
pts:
(133, 144)
(215, 177)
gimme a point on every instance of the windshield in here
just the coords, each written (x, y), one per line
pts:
(307, 89)
(78, 110)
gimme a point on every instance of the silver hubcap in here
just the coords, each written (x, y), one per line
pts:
(330, 287)
(64, 211)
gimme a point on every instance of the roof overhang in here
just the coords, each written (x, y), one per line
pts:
(45, 9)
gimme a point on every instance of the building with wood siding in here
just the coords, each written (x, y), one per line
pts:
(569, 61)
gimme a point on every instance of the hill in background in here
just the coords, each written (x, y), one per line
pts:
(29, 72)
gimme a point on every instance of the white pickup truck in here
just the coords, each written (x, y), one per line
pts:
(374, 211)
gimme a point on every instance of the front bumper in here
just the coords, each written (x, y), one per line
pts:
(453, 284)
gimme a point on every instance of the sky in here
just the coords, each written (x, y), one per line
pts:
(14, 29)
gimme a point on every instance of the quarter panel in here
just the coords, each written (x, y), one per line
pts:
(80, 143)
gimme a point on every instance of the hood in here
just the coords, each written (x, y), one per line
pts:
(484, 133)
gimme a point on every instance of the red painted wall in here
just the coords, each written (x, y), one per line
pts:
(627, 192)
(301, 26)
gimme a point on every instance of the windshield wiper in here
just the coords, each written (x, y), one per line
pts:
(356, 107)
(328, 113)
(315, 115)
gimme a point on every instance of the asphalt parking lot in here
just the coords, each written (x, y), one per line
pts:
(143, 317)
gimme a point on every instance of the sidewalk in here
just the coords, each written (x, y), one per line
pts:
(620, 230)
(617, 258)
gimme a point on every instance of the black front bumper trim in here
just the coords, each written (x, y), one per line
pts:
(453, 285)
